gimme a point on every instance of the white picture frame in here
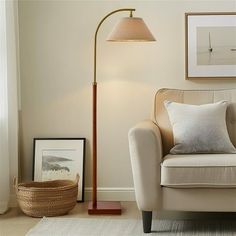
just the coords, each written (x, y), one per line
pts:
(210, 45)
(60, 158)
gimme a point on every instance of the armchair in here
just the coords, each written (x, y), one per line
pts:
(190, 182)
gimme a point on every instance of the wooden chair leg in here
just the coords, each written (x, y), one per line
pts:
(147, 221)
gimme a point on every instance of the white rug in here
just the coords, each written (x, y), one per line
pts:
(117, 227)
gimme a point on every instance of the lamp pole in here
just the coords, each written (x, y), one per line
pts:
(94, 209)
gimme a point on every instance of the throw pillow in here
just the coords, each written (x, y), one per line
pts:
(199, 128)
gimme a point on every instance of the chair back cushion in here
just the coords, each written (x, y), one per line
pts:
(195, 97)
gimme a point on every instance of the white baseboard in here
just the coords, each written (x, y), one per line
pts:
(112, 194)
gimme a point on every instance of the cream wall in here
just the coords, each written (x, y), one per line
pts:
(56, 59)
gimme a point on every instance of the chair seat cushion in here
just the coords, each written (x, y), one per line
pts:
(199, 170)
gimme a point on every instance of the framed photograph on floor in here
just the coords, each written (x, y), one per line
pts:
(210, 45)
(60, 158)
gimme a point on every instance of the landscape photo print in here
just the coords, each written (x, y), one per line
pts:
(60, 158)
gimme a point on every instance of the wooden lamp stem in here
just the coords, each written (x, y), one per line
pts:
(94, 144)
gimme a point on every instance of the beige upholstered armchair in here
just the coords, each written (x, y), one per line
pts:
(189, 182)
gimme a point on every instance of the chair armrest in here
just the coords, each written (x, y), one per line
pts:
(145, 147)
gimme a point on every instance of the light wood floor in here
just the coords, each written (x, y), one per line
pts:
(15, 223)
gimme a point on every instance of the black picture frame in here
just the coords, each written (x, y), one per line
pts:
(60, 150)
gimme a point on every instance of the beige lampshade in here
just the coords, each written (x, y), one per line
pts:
(131, 29)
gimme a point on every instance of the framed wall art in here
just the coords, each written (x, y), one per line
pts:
(210, 45)
(60, 158)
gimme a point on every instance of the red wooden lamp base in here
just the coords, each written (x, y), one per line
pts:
(105, 207)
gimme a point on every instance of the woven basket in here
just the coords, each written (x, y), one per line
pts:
(49, 198)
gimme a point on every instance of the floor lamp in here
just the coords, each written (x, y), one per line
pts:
(127, 29)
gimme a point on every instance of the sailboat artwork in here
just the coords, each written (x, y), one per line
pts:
(210, 45)
(210, 49)
(216, 45)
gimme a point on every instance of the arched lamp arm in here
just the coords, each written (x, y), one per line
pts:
(96, 33)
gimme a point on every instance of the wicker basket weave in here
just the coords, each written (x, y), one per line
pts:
(49, 198)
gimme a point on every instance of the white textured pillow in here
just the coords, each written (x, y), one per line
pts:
(199, 128)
